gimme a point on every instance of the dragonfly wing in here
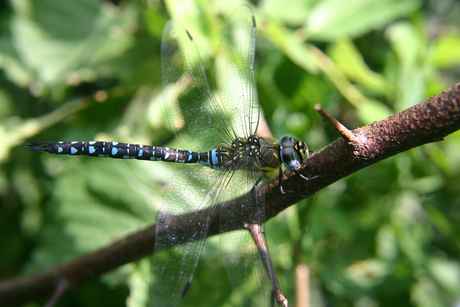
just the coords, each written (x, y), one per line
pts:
(235, 75)
(245, 270)
(193, 190)
(194, 114)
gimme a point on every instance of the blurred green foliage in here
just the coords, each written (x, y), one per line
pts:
(90, 70)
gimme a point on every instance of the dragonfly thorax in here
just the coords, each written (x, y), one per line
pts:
(252, 153)
(258, 153)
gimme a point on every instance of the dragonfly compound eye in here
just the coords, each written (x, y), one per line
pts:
(293, 152)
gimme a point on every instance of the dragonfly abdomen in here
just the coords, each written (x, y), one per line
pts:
(213, 158)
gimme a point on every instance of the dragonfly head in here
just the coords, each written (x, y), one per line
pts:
(293, 152)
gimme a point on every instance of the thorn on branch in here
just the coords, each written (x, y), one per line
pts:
(344, 131)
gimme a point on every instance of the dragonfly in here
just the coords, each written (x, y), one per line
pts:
(227, 160)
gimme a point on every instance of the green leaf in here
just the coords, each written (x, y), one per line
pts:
(446, 272)
(331, 19)
(351, 62)
(93, 33)
(444, 53)
(292, 13)
(292, 45)
(406, 41)
(373, 110)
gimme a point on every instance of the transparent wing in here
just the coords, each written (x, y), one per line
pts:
(246, 273)
(240, 256)
(200, 122)
(235, 75)
(198, 119)
(193, 190)
(194, 114)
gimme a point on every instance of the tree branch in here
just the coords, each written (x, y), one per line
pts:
(427, 122)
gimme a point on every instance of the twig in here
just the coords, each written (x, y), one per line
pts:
(302, 274)
(335, 123)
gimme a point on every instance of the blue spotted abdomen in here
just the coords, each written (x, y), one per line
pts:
(213, 158)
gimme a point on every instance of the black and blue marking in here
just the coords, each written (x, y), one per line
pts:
(213, 158)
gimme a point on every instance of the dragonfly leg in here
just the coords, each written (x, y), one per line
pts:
(308, 178)
(62, 287)
(187, 286)
(296, 192)
(254, 188)
(256, 234)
